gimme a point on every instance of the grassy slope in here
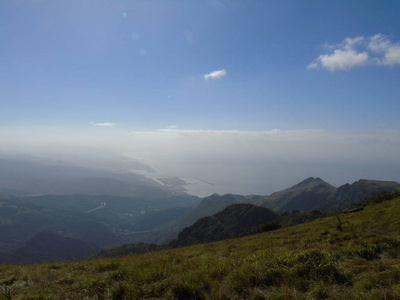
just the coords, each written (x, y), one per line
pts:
(307, 261)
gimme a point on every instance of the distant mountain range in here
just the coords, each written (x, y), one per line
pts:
(308, 195)
(102, 209)
(314, 193)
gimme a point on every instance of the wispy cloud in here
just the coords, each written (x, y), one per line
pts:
(389, 51)
(359, 51)
(216, 74)
(106, 124)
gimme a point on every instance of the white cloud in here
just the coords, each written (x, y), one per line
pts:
(106, 124)
(390, 52)
(342, 58)
(379, 43)
(392, 57)
(359, 51)
(216, 74)
(348, 42)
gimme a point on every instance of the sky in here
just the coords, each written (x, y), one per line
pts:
(251, 96)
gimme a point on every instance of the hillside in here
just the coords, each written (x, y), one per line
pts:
(111, 220)
(309, 261)
(239, 220)
(234, 221)
(311, 194)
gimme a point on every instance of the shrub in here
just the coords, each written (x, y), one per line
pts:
(268, 227)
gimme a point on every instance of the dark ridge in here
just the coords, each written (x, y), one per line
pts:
(234, 221)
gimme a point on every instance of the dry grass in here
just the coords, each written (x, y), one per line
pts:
(308, 261)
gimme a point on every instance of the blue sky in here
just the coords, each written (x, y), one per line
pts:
(144, 75)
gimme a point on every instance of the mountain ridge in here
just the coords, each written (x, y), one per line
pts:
(310, 194)
(119, 220)
(315, 193)
(234, 221)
